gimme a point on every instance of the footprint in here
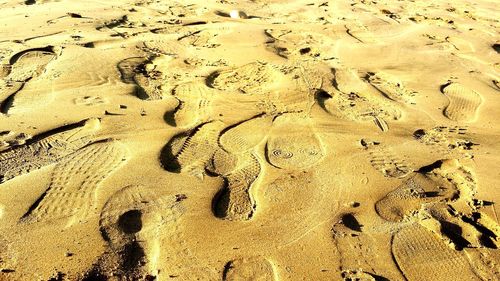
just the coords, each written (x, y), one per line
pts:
(71, 194)
(459, 230)
(293, 144)
(358, 251)
(290, 185)
(30, 63)
(442, 198)
(301, 45)
(460, 176)
(421, 255)
(200, 38)
(440, 234)
(406, 200)
(391, 87)
(191, 152)
(132, 222)
(348, 81)
(46, 149)
(10, 139)
(234, 201)
(24, 66)
(355, 101)
(447, 141)
(245, 135)
(463, 104)
(129, 67)
(385, 160)
(249, 269)
(123, 27)
(149, 81)
(194, 107)
(252, 78)
(237, 163)
(314, 76)
(224, 162)
(147, 74)
(89, 100)
(485, 262)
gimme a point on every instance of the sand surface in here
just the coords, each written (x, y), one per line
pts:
(249, 140)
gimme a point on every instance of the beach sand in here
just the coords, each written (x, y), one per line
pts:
(249, 140)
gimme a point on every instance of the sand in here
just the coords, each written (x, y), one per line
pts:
(249, 140)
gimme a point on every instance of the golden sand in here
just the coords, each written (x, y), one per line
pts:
(249, 140)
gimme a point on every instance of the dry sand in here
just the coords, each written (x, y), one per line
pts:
(249, 140)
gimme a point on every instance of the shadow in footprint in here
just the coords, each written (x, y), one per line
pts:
(6, 104)
(350, 221)
(222, 14)
(496, 47)
(220, 202)
(210, 80)
(131, 222)
(190, 152)
(133, 256)
(233, 201)
(321, 97)
(169, 117)
(168, 158)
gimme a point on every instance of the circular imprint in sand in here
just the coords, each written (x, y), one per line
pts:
(294, 152)
(251, 269)
(294, 144)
